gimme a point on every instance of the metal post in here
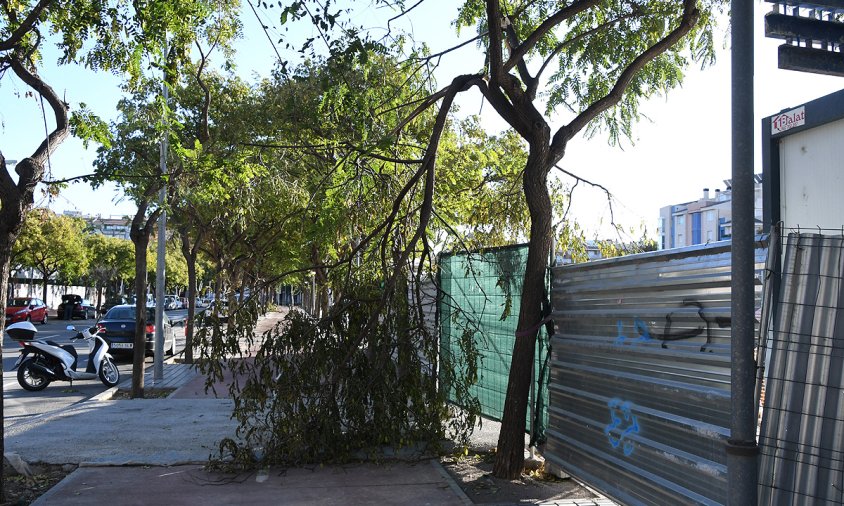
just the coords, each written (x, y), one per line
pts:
(742, 450)
(158, 359)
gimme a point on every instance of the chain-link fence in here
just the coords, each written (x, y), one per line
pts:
(802, 434)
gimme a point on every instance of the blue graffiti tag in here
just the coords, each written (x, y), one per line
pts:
(639, 326)
(623, 423)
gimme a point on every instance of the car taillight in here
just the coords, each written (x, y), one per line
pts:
(150, 328)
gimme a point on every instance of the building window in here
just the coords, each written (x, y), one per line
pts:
(680, 241)
(708, 236)
(710, 216)
(681, 221)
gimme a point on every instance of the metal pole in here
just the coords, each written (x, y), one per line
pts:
(742, 450)
(158, 359)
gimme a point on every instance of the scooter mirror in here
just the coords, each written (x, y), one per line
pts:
(70, 327)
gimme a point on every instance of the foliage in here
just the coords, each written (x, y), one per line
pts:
(316, 393)
(175, 267)
(112, 259)
(53, 244)
(328, 207)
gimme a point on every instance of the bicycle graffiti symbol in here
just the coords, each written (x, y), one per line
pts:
(623, 423)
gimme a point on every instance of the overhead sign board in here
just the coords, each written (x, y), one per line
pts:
(787, 120)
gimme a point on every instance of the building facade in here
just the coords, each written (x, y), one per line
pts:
(702, 221)
(113, 226)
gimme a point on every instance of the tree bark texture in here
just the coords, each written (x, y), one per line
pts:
(6, 241)
(509, 459)
(190, 257)
(141, 241)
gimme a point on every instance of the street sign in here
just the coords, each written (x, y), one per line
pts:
(813, 36)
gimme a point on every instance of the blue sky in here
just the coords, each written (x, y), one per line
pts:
(682, 149)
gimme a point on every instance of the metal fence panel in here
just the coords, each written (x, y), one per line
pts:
(802, 436)
(481, 291)
(640, 374)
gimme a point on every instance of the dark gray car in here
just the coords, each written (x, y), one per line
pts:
(118, 329)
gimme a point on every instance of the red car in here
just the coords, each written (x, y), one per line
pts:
(22, 309)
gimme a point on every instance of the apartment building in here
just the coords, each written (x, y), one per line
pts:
(705, 220)
(112, 226)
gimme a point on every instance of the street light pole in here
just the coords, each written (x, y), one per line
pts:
(158, 358)
(742, 449)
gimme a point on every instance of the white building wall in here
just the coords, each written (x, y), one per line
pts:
(812, 178)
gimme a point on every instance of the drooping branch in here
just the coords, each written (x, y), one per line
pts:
(688, 20)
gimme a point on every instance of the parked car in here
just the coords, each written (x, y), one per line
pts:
(118, 329)
(81, 308)
(150, 300)
(172, 302)
(22, 309)
(110, 302)
(220, 308)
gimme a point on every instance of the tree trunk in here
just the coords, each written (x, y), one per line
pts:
(190, 257)
(141, 241)
(99, 288)
(7, 238)
(12, 212)
(44, 287)
(509, 459)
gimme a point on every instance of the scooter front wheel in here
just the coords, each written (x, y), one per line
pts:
(109, 374)
(29, 379)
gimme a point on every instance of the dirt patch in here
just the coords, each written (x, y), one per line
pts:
(20, 490)
(157, 393)
(473, 472)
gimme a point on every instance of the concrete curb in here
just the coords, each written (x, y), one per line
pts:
(451, 483)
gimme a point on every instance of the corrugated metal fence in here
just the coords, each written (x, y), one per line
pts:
(640, 374)
(802, 437)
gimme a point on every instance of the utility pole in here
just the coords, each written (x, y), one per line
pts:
(158, 359)
(742, 449)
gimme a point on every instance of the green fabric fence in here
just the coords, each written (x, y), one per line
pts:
(482, 291)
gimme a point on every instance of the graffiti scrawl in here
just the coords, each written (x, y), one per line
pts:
(623, 423)
(645, 334)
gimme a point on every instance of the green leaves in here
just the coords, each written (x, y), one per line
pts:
(87, 126)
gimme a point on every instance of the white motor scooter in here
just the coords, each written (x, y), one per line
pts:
(43, 361)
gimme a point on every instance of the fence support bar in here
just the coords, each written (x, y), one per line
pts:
(742, 461)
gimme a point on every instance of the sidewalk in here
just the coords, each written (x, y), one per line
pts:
(151, 451)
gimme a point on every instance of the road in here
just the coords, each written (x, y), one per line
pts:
(20, 403)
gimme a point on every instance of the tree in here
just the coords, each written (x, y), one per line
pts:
(53, 244)
(174, 264)
(99, 35)
(146, 118)
(112, 260)
(597, 59)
